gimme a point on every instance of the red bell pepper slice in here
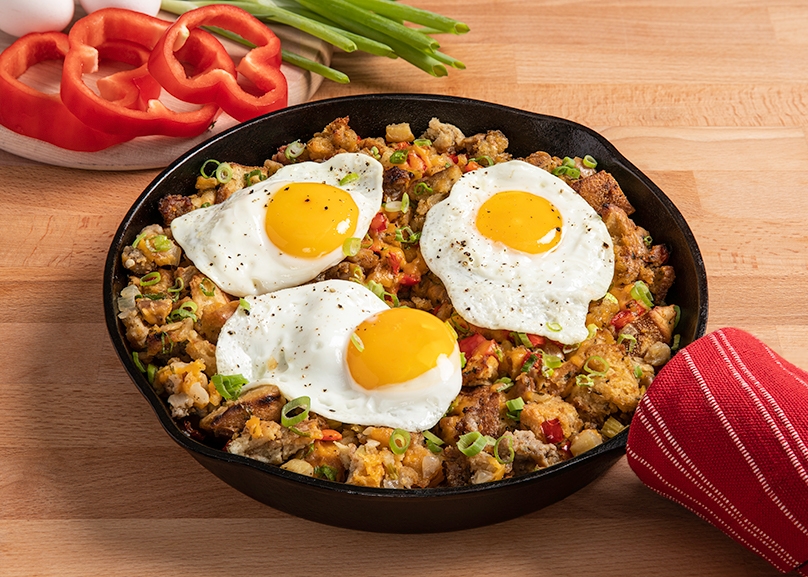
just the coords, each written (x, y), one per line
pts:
(40, 115)
(261, 66)
(128, 102)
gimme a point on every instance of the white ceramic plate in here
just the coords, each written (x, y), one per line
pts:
(155, 151)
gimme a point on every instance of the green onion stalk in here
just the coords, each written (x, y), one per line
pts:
(373, 26)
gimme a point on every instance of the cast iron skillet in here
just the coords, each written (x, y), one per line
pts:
(417, 510)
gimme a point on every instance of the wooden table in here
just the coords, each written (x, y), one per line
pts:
(709, 98)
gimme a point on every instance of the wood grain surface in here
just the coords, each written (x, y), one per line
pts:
(709, 98)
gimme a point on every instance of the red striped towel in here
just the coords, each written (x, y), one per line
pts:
(723, 431)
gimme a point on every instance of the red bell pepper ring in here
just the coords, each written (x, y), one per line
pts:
(261, 66)
(41, 115)
(128, 103)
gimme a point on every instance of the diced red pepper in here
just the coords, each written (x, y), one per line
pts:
(468, 344)
(472, 165)
(379, 222)
(41, 115)
(553, 431)
(635, 309)
(409, 280)
(261, 66)
(536, 340)
(395, 261)
(622, 318)
(453, 158)
(132, 108)
(331, 435)
(476, 345)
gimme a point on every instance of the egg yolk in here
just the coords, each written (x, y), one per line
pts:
(520, 220)
(310, 219)
(395, 346)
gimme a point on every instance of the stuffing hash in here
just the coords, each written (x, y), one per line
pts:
(526, 402)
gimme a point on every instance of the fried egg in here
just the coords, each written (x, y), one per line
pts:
(358, 360)
(518, 249)
(285, 230)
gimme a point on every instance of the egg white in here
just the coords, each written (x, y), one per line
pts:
(228, 241)
(297, 339)
(497, 287)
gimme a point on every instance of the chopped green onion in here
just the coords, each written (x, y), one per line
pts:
(422, 188)
(552, 361)
(151, 279)
(472, 443)
(351, 246)
(302, 403)
(348, 179)
(224, 172)
(584, 381)
(594, 372)
(208, 292)
(531, 360)
(511, 453)
(374, 151)
(484, 158)
(515, 407)
(433, 442)
(676, 340)
(398, 157)
(229, 386)
(294, 149)
(412, 237)
(640, 292)
(505, 384)
(611, 298)
(376, 288)
(153, 297)
(325, 471)
(638, 371)
(560, 170)
(405, 203)
(568, 162)
(573, 173)
(151, 372)
(393, 298)
(678, 315)
(140, 237)
(205, 205)
(611, 428)
(593, 330)
(462, 360)
(399, 441)
(648, 241)
(555, 327)
(179, 284)
(244, 304)
(632, 341)
(357, 342)
(205, 164)
(186, 310)
(249, 175)
(589, 162)
(523, 339)
(138, 364)
(161, 243)
(422, 142)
